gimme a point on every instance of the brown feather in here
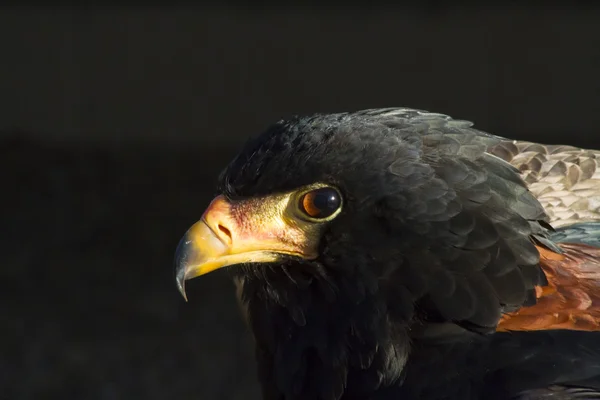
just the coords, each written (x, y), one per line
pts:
(572, 298)
(565, 179)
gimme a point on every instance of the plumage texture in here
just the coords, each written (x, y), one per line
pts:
(572, 298)
(565, 179)
(583, 233)
(438, 239)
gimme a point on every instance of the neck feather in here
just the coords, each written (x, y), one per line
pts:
(319, 337)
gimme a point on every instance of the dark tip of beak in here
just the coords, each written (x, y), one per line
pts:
(180, 265)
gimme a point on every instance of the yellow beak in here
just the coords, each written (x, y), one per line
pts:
(239, 233)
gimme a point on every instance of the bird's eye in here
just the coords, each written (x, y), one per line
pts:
(320, 203)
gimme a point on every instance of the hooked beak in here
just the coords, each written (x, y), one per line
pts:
(238, 233)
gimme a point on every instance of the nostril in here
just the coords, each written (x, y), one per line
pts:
(225, 231)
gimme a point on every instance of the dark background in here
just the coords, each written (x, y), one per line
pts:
(114, 123)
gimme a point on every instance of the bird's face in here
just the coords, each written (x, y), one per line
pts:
(313, 194)
(258, 230)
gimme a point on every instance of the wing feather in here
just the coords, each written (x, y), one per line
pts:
(507, 197)
(564, 179)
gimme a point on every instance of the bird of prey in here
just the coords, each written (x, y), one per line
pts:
(402, 254)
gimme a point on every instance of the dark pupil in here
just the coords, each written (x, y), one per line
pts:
(326, 201)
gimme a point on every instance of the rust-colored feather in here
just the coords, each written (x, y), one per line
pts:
(572, 298)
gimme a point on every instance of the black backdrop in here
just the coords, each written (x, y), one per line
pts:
(114, 123)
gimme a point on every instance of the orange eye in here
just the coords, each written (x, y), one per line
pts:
(320, 203)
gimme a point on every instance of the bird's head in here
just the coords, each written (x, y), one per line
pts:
(328, 195)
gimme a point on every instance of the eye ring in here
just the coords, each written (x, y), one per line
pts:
(322, 203)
